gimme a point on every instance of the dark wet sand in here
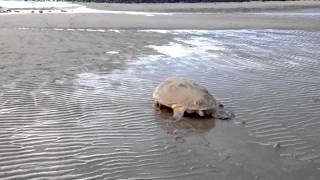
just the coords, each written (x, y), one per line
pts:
(71, 110)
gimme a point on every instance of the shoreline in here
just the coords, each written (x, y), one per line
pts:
(206, 7)
(131, 16)
(177, 21)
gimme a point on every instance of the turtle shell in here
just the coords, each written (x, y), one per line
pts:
(185, 94)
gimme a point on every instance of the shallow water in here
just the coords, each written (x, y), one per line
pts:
(77, 104)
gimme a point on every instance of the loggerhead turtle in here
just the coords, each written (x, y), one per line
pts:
(185, 95)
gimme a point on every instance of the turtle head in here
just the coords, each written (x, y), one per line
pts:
(222, 114)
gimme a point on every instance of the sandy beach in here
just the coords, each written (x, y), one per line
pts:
(293, 15)
(207, 7)
(76, 93)
(178, 21)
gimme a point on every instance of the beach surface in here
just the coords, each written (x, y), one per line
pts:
(76, 95)
(280, 15)
(206, 7)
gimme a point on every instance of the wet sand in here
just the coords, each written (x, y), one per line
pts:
(76, 99)
(70, 112)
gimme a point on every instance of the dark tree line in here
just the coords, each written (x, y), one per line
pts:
(165, 1)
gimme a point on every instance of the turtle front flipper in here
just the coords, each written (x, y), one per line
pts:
(178, 111)
(201, 113)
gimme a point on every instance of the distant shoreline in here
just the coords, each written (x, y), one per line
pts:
(201, 16)
(206, 7)
(214, 7)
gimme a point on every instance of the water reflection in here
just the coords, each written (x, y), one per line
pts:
(188, 124)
